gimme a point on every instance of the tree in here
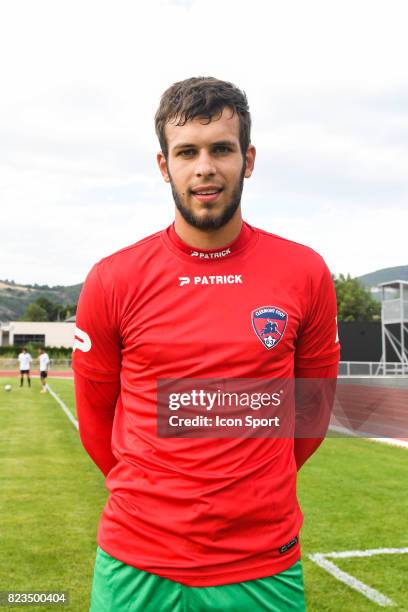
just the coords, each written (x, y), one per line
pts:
(69, 310)
(354, 302)
(48, 306)
(44, 309)
(35, 312)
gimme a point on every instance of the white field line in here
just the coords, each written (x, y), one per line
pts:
(63, 406)
(367, 436)
(391, 441)
(346, 554)
(321, 559)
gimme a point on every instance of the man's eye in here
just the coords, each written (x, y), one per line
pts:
(187, 153)
(222, 149)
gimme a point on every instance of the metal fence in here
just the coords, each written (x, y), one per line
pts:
(372, 368)
(8, 363)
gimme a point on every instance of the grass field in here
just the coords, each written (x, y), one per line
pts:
(353, 493)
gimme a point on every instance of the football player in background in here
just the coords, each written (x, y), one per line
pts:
(44, 365)
(25, 359)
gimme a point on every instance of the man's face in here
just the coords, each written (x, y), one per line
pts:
(206, 169)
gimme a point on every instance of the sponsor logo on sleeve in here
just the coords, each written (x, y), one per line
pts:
(269, 323)
(81, 341)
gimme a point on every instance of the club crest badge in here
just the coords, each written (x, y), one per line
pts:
(269, 323)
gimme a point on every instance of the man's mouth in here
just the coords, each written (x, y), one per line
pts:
(209, 194)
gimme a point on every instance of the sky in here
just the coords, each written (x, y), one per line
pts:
(327, 84)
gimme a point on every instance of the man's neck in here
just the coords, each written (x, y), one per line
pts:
(208, 240)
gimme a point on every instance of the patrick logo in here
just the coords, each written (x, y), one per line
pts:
(269, 323)
(81, 341)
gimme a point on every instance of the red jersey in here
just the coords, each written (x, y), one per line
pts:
(202, 511)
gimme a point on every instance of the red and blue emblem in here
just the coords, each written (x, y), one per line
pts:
(269, 323)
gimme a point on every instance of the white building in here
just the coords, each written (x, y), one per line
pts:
(47, 334)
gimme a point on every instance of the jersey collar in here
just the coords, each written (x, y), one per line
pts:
(246, 235)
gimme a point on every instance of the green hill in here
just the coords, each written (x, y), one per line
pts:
(372, 279)
(14, 298)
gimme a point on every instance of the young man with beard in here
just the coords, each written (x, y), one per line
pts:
(199, 524)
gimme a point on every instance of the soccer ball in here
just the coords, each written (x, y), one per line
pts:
(8, 387)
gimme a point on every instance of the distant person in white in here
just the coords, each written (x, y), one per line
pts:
(44, 365)
(25, 360)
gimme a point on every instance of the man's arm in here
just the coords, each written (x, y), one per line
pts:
(96, 362)
(95, 402)
(313, 409)
(316, 366)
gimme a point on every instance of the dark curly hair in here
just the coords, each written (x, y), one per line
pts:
(204, 97)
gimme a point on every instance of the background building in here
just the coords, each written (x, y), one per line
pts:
(51, 334)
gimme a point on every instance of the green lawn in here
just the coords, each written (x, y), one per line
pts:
(52, 498)
(353, 494)
(64, 389)
(354, 497)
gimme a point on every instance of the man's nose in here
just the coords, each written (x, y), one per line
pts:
(205, 165)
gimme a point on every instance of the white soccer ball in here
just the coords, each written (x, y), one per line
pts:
(8, 387)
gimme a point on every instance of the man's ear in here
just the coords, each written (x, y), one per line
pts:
(162, 163)
(250, 160)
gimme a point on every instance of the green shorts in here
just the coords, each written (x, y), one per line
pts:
(118, 587)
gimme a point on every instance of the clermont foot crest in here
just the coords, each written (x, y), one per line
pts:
(269, 323)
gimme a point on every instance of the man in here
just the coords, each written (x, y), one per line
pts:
(25, 360)
(199, 524)
(44, 365)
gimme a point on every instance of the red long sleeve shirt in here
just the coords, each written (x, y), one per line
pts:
(199, 511)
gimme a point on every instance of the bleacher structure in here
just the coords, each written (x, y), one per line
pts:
(394, 323)
(394, 336)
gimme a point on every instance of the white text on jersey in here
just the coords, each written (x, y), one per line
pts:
(213, 255)
(226, 279)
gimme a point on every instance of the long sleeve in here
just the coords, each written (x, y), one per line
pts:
(97, 362)
(317, 356)
(96, 403)
(313, 409)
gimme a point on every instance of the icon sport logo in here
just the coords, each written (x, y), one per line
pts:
(269, 323)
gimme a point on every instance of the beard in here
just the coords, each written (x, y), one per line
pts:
(215, 221)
